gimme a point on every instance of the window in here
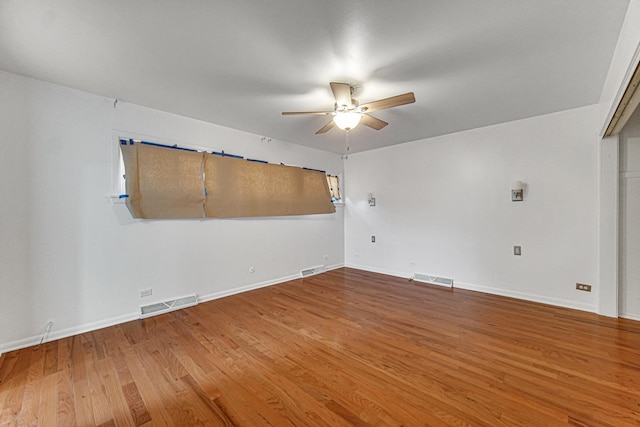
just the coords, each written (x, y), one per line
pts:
(334, 188)
(171, 182)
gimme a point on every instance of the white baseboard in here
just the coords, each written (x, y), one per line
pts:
(238, 290)
(68, 332)
(558, 302)
(630, 316)
(378, 270)
(88, 327)
(334, 266)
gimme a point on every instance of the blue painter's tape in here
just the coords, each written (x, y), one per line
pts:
(315, 170)
(223, 154)
(155, 144)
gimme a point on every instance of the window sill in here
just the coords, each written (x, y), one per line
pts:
(115, 199)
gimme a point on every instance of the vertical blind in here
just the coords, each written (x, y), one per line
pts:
(163, 182)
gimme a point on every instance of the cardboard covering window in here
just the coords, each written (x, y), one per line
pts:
(170, 183)
(163, 182)
(241, 188)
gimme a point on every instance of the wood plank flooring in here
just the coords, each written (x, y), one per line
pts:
(345, 348)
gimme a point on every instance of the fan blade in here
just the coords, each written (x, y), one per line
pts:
(342, 93)
(372, 122)
(394, 101)
(326, 127)
(295, 113)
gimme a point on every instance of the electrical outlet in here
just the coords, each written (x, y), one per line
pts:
(583, 287)
(373, 239)
(517, 250)
(146, 293)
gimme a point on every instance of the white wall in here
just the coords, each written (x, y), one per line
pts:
(444, 207)
(629, 237)
(69, 255)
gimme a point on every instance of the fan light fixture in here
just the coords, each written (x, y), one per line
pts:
(347, 112)
(347, 120)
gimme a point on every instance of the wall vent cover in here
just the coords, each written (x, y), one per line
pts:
(167, 306)
(312, 271)
(433, 280)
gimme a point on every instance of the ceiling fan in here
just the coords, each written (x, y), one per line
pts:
(347, 112)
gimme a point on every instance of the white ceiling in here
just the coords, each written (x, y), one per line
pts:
(241, 63)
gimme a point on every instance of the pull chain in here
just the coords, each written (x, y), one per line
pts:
(346, 156)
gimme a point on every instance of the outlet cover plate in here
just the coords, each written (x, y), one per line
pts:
(583, 287)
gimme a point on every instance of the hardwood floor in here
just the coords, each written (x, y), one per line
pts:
(343, 348)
